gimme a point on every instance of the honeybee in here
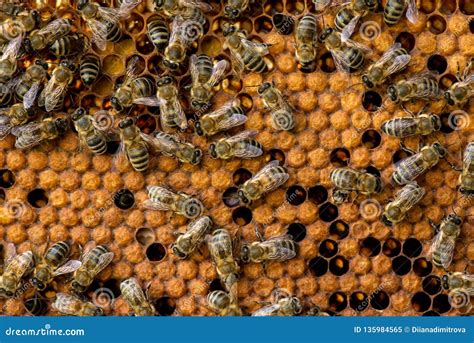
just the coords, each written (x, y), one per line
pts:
(394, 9)
(16, 267)
(54, 263)
(283, 304)
(163, 199)
(348, 55)
(466, 179)
(171, 145)
(423, 124)
(266, 180)
(459, 281)
(245, 53)
(442, 247)
(73, 306)
(90, 133)
(220, 249)
(242, 145)
(205, 76)
(405, 199)
(187, 242)
(30, 83)
(8, 61)
(32, 134)
(392, 61)
(136, 298)
(12, 117)
(222, 119)
(158, 32)
(188, 9)
(52, 96)
(460, 92)
(320, 6)
(89, 69)
(280, 110)
(11, 9)
(422, 86)
(72, 44)
(306, 36)
(411, 167)
(171, 112)
(103, 21)
(234, 8)
(223, 303)
(350, 13)
(6, 92)
(133, 145)
(40, 39)
(12, 28)
(347, 180)
(316, 311)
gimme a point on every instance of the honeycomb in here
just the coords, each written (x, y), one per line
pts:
(348, 264)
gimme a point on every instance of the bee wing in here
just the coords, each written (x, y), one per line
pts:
(267, 311)
(10, 253)
(197, 4)
(127, 6)
(148, 101)
(30, 96)
(411, 165)
(260, 48)
(160, 143)
(155, 205)
(235, 119)
(268, 166)
(103, 121)
(412, 11)
(241, 136)
(192, 65)
(237, 63)
(112, 15)
(176, 29)
(349, 28)
(55, 27)
(12, 49)
(132, 70)
(134, 292)
(30, 134)
(446, 252)
(104, 261)
(66, 303)
(341, 64)
(412, 194)
(398, 64)
(54, 92)
(468, 83)
(68, 267)
(357, 45)
(218, 72)
(99, 32)
(5, 126)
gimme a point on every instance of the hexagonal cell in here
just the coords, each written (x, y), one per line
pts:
(392, 247)
(7, 178)
(371, 139)
(144, 45)
(441, 303)
(273, 6)
(407, 40)
(165, 306)
(297, 231)
(437, 63)
(401, 265)
(124, 199)
(275, 155)
(339, 229)
(427, 6)
(380, 300)
(337, 301)
(340, 157)
(230, 197)
(145, 236)
(412, 247)
(328, 212)
(326, 63)
(232, 85)
(358, 301)
(240, 176)
(154, 65)
(338, 265)
(113, 65)
(432, 284)
(134, 24)
(318, 266)
(263, 25)
(318, 194)
(328, 248)
(436, 24)
(447, 81)
(422, 267)
(448, 6)
(371, 101)
(246, 101)
(295, 195)
(211, 46)
(295, 7)
(466, 7)
(103, 86)
(242, 216)
(421, 302)
(37, 198)
(370, 247)
(155, 252)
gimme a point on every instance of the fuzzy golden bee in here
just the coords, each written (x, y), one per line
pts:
(30, 83)
(188, 9)
(423, 124)
(222, 119)
(133, 146)
(394, 9)
(73, 306)
(459, 280)
(234, 8)
(136, 298)
(74, 44)
(466, 179)
(405, 199)
(52, 96)
(306, 38)
(90, 133)
(171, 112)
(34, 133)
(195, 234)
(283, 304)
(423, 87)
(171, 145)
(280, 109)
(242, 145)
(347, 180)
(40, 39)
(162, 199)
(8, 60)
(158, 32)
(16, 267)
(442, 247)
(11, 118)
(89, 69)
(223, 303)
(350, 13)
(462, 90)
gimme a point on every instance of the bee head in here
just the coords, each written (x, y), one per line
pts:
(36, 16)
(196, 104)
(116, 103)
(177, 252)
(445, 281)
(242, 197)
(81, 4)
(263, 87)
(79, 113)
(367, 82)
(386, 221)
(38, 284)
(159, 4)
(69, 65)
(231, 12)
(78, 287)
(170, 64)
(325, 34)
(436, 122)
(196, 156)
(198, 129)
(455, 219)
(296, 304)
(448, 98)
(371, 4)
(125, 123)
(229, 30)
(42, 64)
(439, 149)
(245, 254)
(392, 93)
(61, 125)
(27, 44)
(98, 312)
(212, 150)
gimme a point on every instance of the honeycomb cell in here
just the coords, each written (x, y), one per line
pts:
(437, 63)
(337, 302)
(401, 265)
(144, 45)
(421, 302)
(339, 229)
(436, 24)
(295, 195)
(37, 198)
(7, 178)
(338, 265)
(242, 216)
(466, 7)
(422, 267)
(318, 266)
(124, 199)
(407, 40)
(240, 176)
(165, 306)
(263, 25)
(412, 247)
(371, 101)
(441, 303)
(113, 65)
(432, 284)
(318, 194)
(145, 236)
(358, 301)
(380, 300)
(211, 46)
(328, 212)
(297, 231)
(340, 157)
(370, 247)
(371, 139)
(155, 252)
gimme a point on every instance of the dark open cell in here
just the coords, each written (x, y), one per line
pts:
(380, 300)
(124, 199)
(283, 24)
(338, 265)
(242, 215)
(318, 266)
(230, 197)
(436, 24)
(400, 155)
(448, 6)
(358, 301)
(446, 122)
(371, 101)
(154, 65)
(471, 26)
(401, 265)
(391, 247)
(340, 157)
(295, 195)
(295, 7)
(371, 139)
(466, 7)
(139, 63)
(412, 247)
(114, 286)
(95, 285)
(337, 301)
(441, 303)
(263, 24)
(370, 247)
(437, 63)
(275, 155)
(328, 212)
(297, 231)
(36, 305)
(144, 45)
(432, 284)
(318, 194)
(37, 198)
(407, 40)
(427, 6)
(421, 302)
(431, 313)
(155, 252)
(165, 306)
(240, 176)
(216, 285)
(145, 236)
(339, 229)
(422, 267)
(2, 196)
(146, 123)
(372, 170)
(328, 248)
(447, 81)
(112, 147)
(246, 101)
(326, 63)
(7, 178)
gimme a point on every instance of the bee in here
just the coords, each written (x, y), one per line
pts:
(34, 133)
(392, 61)
(8, 61)
(205, 76)
(348, 55)
(266, 180)
(411, 167)
(11, 9)
(280, 110)
(103, 21)
(12, 117)
(245, 53)
(158, 32)
(424, 124)
(93, 262)
(466, 179)
(347, 180)
(171, 112)
(73, 306)
(242, 145)
(234, 8)
(54, 263)
(163, 199)
(30, 83)
(222, 119)
(320, 6)
(188, 9)
(89, 69)
(283, 304)
(350, 13)
(12, 28)
(90, 133)
(73, 44)
(442, 247)
(422, 86)
(316, 311)
(133, 145)
(223, 303)
(6, 92)
(136, 298)
(459, 281)
(40, 39)
(171, 145)
(52, 96)
(460, 92)
(16, 267)
(306, 36)
(405, 199)
(187, 242)
(394, 9)
(220, 249)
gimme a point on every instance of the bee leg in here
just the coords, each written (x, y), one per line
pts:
(407, 110)
(258, 234)
(264, 265)
(434, 226)
(407, 149)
